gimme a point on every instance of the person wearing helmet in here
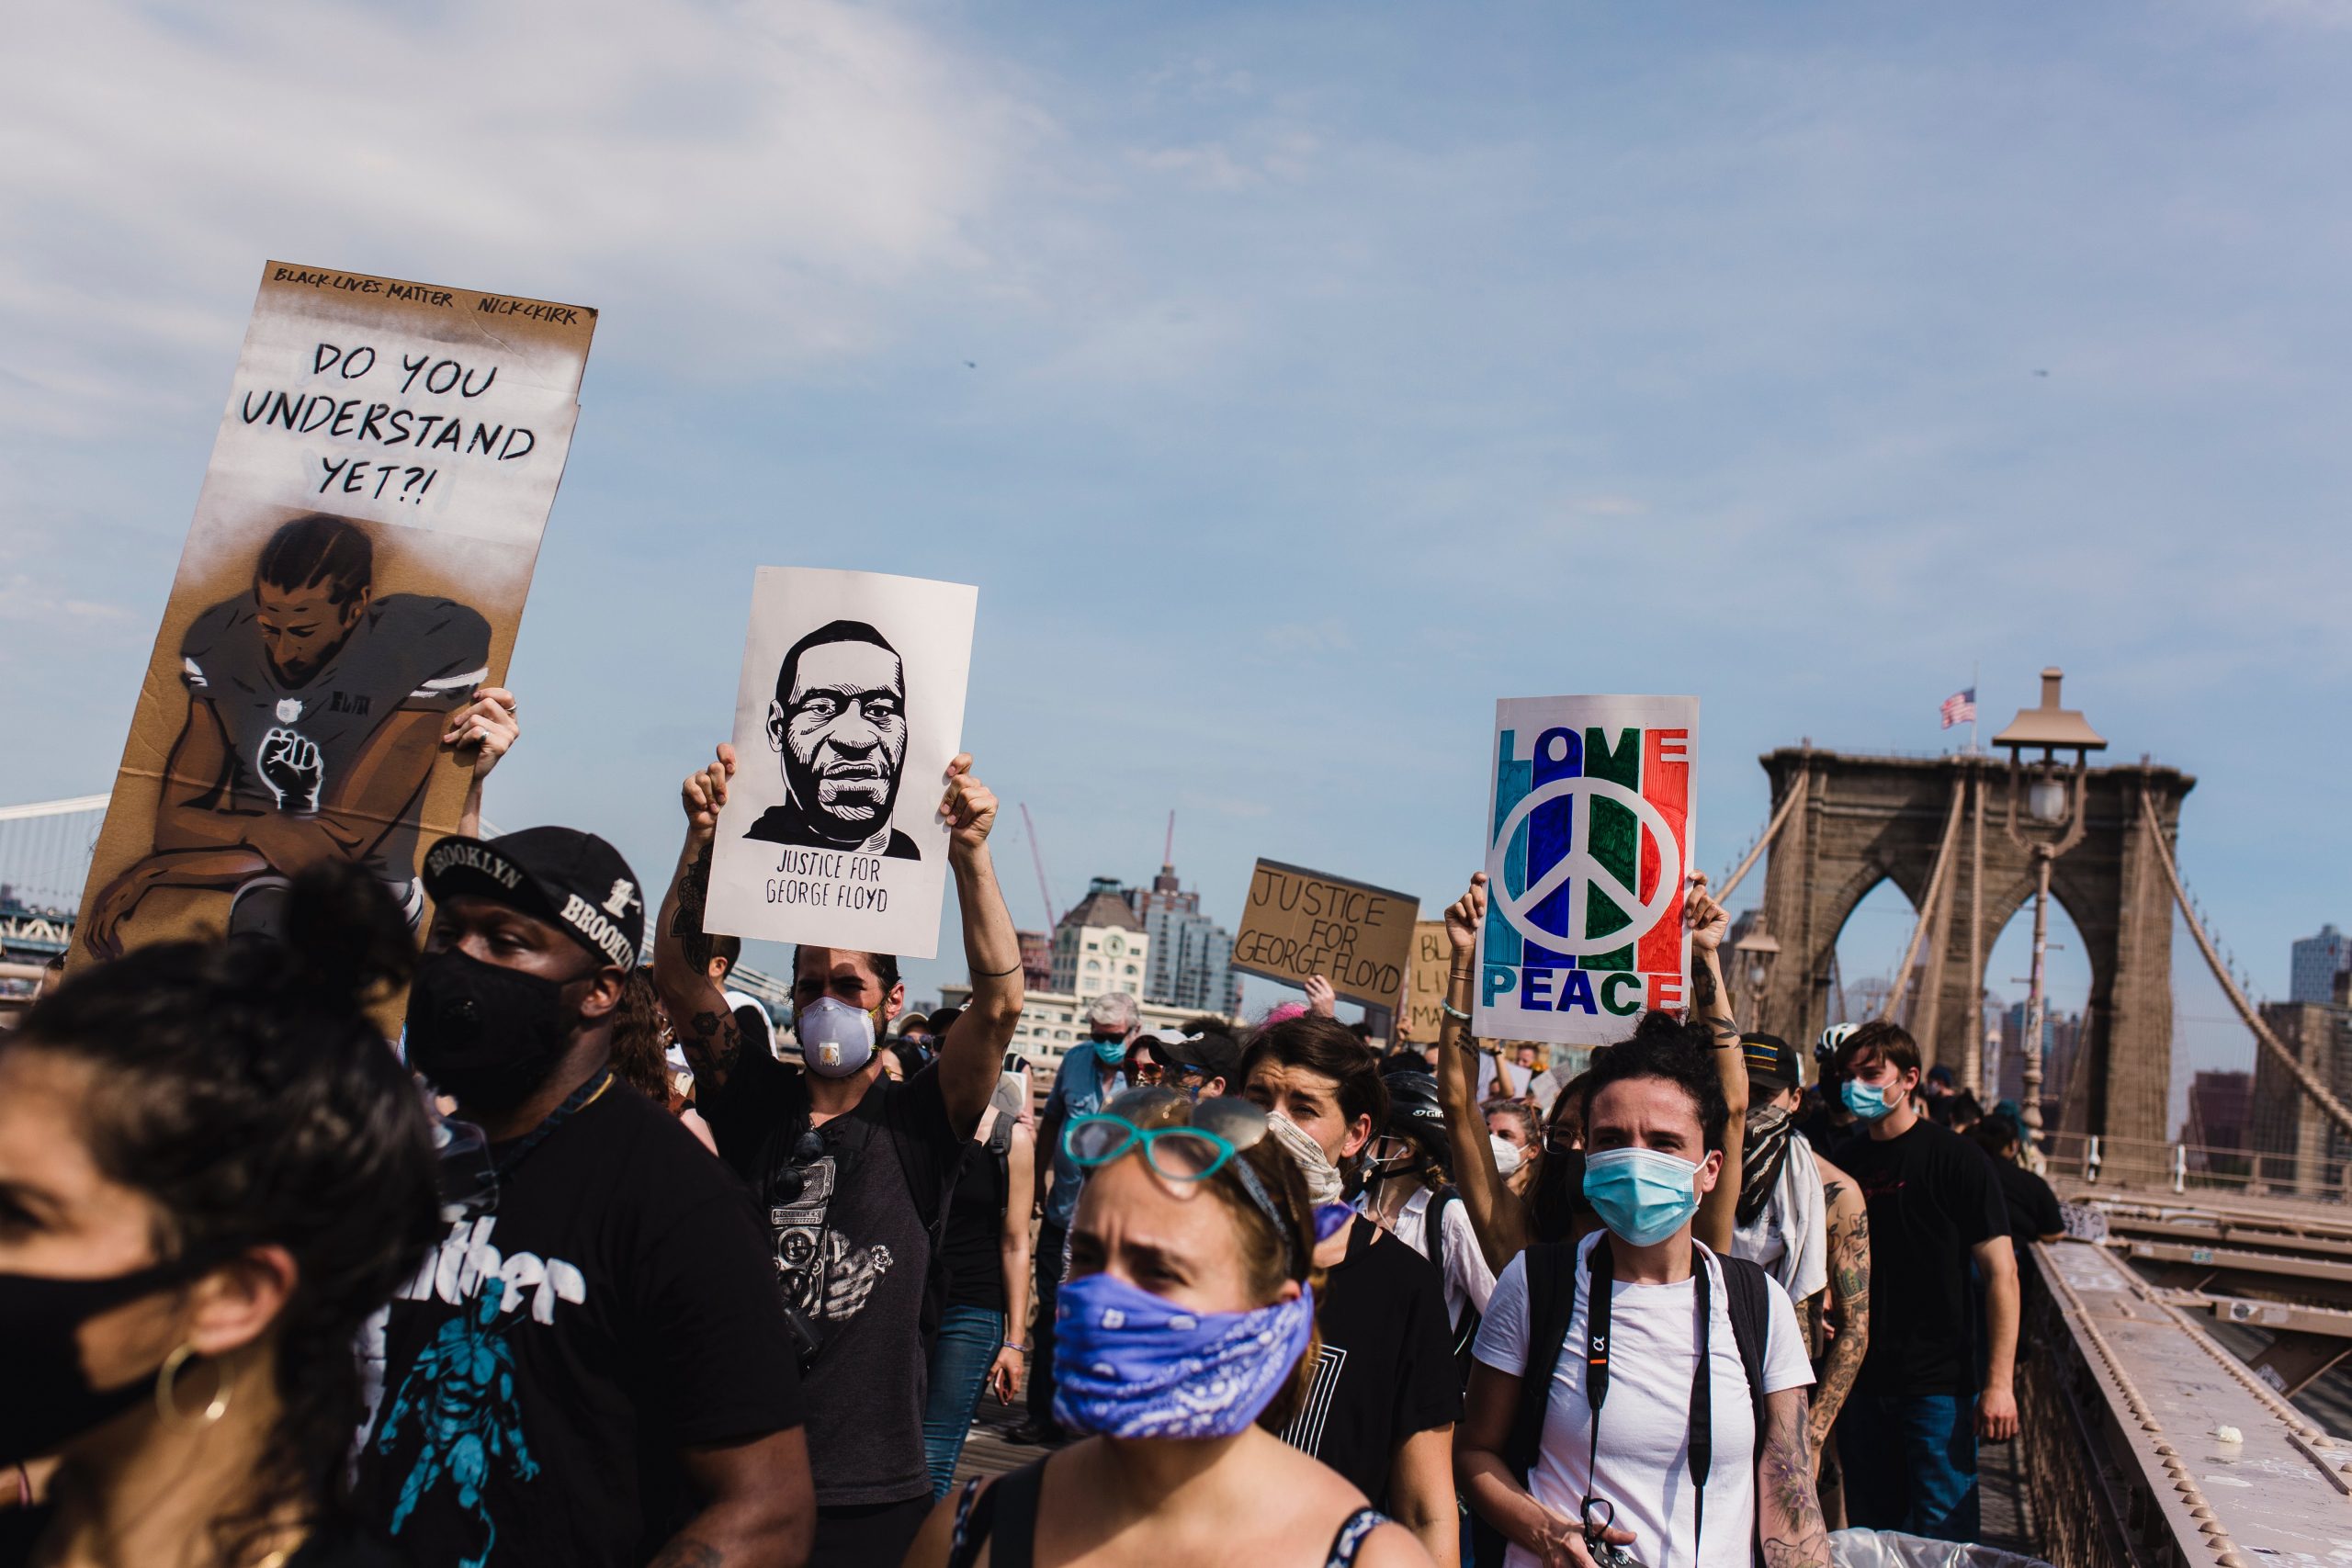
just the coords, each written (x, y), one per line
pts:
(1406, 1193)
(1825, 1121)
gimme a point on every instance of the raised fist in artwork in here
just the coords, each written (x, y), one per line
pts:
(291, 767)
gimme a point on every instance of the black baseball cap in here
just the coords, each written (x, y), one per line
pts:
(1771, 1060)
(574, 879)
(1211, 1055)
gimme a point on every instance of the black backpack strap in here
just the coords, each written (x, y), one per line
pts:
(1465, 1333)
(1750, 1305)
(999, 1147)
(1004, 1517)
(1551, 1269)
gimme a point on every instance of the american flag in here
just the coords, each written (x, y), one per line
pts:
(1960, 708)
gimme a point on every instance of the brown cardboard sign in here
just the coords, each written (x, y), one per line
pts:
(355, 572)
(1300, 923)
(1421, 1013)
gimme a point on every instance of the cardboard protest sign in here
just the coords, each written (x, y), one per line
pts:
(849, 709)
(1419, 1013)
(1588, 845)
(355, 571)
(1301, 923)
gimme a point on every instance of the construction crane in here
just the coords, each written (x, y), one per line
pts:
(1038, 855)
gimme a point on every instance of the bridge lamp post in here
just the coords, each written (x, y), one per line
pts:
(1754, 954)
(2055, 823)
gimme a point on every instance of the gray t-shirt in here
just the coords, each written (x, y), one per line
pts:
(855, 1230)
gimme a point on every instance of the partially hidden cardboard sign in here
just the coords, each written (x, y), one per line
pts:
(850, 708)
(1300, 923)
(1589, 833)
(1419, 1015)
(355, 571)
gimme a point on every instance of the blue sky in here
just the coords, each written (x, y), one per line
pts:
(1338, 369)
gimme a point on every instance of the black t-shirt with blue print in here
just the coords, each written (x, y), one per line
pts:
(548, 1361)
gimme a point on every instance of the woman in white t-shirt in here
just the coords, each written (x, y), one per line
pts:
(1655, 1125)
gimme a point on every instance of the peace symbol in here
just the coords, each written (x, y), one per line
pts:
(1579, 861)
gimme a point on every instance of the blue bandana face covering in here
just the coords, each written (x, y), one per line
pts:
(1863, 1100)
(1641, 1195)
(1131, 1364)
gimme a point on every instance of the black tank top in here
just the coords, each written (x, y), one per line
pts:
(973, 1249)
(1006, 1516)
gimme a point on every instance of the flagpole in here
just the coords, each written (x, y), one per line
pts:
(1974, 670)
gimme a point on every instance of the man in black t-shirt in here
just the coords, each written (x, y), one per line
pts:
(1385, 1389)
(1907, 1437)
(592, 1367)
(853, 1170)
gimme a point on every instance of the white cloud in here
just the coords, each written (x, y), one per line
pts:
(34, 603)
(752, 182)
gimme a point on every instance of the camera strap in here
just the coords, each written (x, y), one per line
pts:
(1601, 1279)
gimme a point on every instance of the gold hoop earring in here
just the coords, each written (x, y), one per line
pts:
(168, 1389)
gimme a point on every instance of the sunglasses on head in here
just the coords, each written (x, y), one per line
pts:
(1185, 1140)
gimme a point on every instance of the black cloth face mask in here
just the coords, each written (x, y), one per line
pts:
(485, 1033)
(46, 1400)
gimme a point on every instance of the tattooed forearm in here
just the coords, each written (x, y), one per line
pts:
(694, 889)
(1842, 1366)
(712, 1041)
(1850, 1289)
(1788, 1513)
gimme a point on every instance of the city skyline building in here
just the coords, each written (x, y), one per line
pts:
(2299, 1149)
(2062, 1034)
(1190, 961)
(2220, 1115)
(2315, 964)
(1100, 946)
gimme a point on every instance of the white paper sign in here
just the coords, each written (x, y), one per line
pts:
(1588, 832)
(849, 709)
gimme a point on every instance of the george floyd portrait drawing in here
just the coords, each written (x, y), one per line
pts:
(837, 726)
(314, 706)
(849, 708)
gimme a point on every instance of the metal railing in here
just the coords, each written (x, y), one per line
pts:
(2193, 1168)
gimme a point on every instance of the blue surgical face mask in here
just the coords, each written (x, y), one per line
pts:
(1131, 1364)
(1642, 1195)
(1864, 1100)
(1112, 1052)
